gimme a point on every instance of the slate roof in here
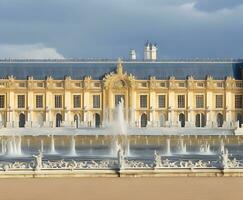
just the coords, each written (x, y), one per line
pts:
(141, 70)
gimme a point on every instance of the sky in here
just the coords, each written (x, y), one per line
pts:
(110, 28)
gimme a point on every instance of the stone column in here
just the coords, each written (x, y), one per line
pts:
(133, 107)
(104, 111)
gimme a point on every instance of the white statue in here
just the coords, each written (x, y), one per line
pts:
(121, 158)
(157, 160)
(38, 161)
(225, 159)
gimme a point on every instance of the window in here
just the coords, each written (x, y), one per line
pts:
(143, 101)
(78, 84)
(219, 101)
(238, 101)
(144, 84)
(161, 101)
(77, 101)
(118, 99)
(200, 84)
(96, 101)
(181, 101)
(162, 84)
(39, 84)
(220, 84)
(22, 85)
(39, 101)
(2, 101)
(181, 84)
(239, 84)
(199, 101)
(96, 84)
(21, 101)
(58, 101)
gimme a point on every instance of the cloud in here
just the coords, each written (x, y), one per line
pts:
(109, 28)
(215, 5)
(28, 51)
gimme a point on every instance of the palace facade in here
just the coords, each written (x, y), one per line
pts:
(76, 93)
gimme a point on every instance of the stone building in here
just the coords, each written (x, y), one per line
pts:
(52, 93)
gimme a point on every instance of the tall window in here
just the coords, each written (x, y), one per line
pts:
(199, 101)
(219, 101)
(143, 101)
(96, 101)
(238, 101)
(181, 101)
(118, 98)
(39, 101)
(77, 101)
(161, 101)
(21, 101)
(58, 101)
(2, 101)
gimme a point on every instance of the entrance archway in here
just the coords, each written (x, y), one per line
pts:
(144, 120)
(220, 120)
(97, 120)
(58, 119)
(182, 119)
(21, 120)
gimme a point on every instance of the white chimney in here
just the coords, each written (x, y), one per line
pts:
(147, 53)
(132, 54)
(153, 52)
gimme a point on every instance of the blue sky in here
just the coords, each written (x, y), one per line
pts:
(110, 28)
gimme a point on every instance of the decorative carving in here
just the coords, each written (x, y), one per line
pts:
(224, 162)
(119, 84)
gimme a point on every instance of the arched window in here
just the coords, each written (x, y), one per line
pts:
(220, 120)
(97, 120)
(239, 118)
(200, 120)
(76, 120)
(182, 119)
(144, 120)
(21, 120)
(58, 119)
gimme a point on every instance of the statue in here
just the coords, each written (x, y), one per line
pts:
(38, 161)
(157, 160)
(224, 158)
(121, 158)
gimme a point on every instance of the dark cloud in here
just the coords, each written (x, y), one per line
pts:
(214, 5)
(109, 28)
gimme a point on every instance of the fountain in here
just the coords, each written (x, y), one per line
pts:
(42, 146)
(205, 148)
(117, 146)
(182, 147)
(72, 147)
(222, 148)
(13, 146)
(120, 130)
(168, 151)
(52, 147)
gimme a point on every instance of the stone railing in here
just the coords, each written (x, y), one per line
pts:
(122, 163)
